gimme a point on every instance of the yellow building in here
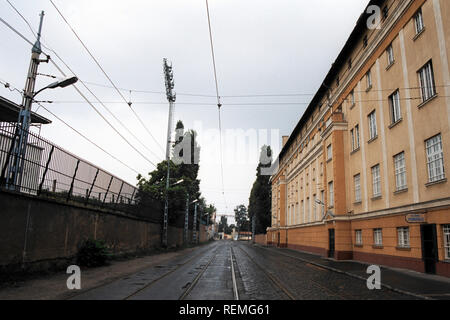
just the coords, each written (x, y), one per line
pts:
(363, 175)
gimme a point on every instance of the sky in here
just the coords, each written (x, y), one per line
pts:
(262, 48)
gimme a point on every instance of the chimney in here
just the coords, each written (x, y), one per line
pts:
(285, 139)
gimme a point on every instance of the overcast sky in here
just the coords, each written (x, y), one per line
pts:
(262, 47)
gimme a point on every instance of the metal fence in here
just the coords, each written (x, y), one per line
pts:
(52, 172)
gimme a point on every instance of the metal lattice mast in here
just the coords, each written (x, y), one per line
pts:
(15, 171)
(171, 97)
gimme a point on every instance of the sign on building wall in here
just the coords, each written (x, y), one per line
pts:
(415, 218)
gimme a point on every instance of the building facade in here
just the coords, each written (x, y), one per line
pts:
(363, 175)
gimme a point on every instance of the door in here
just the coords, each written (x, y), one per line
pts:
(331, 243)
(429, 247)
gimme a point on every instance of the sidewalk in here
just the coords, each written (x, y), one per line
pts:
(401, 280)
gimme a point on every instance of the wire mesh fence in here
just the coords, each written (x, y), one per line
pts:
(44, 169)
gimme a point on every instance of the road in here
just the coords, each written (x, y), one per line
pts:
(226, 270)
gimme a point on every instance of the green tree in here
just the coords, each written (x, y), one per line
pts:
(223, 224)
(260, 201)
(241, 217)
(184, 165)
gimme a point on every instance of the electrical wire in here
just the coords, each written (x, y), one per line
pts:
(84, 97)
(219, 105)
(106, 75)
(75, 130)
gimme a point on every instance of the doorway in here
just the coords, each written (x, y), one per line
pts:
(331, 243)
(429, 247)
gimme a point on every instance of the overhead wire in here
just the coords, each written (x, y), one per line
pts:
(83, 96)
(219, 104)
(106, 75)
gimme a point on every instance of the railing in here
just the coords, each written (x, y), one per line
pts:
(49, 171)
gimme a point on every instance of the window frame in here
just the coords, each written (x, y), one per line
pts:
(358, 237)
(378, 237)
(373, 130)
(395, 107)
(390, 55)
(427, 82)
(358, 197)
(446, 238)
(403, 237)
(369, 82)
(376, 181)
(435, 158)
(419, 24)
(331, 194)
(329, 152)
(400, 171)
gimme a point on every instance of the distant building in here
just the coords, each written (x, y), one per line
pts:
(364, 173)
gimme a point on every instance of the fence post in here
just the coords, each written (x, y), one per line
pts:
(92, 186)
(73, 180)
(107, 190)
(118, 196)
(45, 171)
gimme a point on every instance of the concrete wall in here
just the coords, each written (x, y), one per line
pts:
(35, 231)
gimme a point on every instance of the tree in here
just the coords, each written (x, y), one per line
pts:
(241, 217)
(223, 224)
(260, 201)
(184, 165)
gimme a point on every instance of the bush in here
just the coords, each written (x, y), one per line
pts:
(93, 253)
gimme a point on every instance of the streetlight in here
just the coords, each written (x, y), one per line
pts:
(58, 84)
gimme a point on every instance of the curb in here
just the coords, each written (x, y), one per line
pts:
(349, 274)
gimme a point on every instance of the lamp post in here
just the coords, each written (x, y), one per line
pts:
(15, 171)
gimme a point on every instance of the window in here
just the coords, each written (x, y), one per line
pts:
(426, 81)
(303, 212)
(369, 80)
(403, 237)
(329, 152)
(376, 181)
(400, 171)
(377, 237)
(330, 194)
(394, 104)
(322, 198)
(373, 125)
(354, 136)
(308, 217)
(390, 55)
(357, 182)
(352, 97)
(357, 136)
(358, 237)
(418, 21)
(435, 158)
(314, 208)
(446, 234)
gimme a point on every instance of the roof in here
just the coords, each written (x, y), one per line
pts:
(9, 112)
(335, 67)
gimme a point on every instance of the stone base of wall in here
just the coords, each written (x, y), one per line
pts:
(391, 261)
(319, 251)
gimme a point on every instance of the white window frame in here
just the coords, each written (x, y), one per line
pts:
(435, 158)
(357, 144)
(352, 137)
(403, 237)
(390, 55)
(331, 194)
(446, 236)
(378, 237)
(400, 171)
(329, 152)
(314, 205)
(322, 195)
(426, 81)
(357, 184)
(358, 237)
(369, 79)
(394, 104)
(373, 133)
(376, 181)
(418, 21)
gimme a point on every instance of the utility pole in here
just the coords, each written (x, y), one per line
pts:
(186, 220)
(171, 97)
(194, 228)
(15, 171)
